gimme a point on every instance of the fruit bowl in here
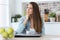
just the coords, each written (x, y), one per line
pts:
(7, 33)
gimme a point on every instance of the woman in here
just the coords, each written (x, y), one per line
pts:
(32, 21)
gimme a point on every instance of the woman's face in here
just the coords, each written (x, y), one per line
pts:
(29, 9)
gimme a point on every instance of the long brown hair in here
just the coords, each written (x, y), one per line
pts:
(36, 18)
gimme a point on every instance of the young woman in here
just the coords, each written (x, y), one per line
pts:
(32, 22)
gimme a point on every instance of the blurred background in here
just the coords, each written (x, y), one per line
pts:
(12, 10)
(50, 11)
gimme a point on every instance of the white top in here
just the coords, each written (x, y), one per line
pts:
(31, 31)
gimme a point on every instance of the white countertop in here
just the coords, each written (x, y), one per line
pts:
(46, 37)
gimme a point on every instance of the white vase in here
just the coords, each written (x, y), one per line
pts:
(12, 19)
(18, 19)
(52, 19)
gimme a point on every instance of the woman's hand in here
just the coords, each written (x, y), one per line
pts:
(28, 15)
(26, 20)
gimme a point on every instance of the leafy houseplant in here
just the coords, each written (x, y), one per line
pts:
(52, 16)
(15, 17)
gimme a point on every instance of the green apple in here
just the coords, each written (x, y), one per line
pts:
(10, 30)
(11, 35)
(5, 34)
(2, 30)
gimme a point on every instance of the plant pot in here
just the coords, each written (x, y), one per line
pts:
(18, 19)
(52, 19)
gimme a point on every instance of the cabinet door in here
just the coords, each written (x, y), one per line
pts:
(52, 28)
(4, 11)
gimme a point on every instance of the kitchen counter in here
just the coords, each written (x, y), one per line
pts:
(46, 37)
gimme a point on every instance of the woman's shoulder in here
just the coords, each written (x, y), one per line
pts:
(22, 19)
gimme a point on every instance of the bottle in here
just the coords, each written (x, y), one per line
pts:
(46, 13)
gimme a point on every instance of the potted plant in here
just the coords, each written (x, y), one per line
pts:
(52, 16)
(15, 18)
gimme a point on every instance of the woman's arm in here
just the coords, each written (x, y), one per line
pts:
(26, 20)
(43, 29)
(22, 24)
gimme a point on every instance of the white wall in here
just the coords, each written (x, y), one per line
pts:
(4, 13)
(19, 4)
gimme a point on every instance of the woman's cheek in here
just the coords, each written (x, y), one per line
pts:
(31, 11)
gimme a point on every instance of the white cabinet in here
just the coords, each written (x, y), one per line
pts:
(15, 25)
(3, 1)
(52, 28)
(4, 13)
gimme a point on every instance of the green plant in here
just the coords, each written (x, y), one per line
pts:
(52, 14)
(15, 17)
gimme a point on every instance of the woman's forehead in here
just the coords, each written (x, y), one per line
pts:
(30, 5)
